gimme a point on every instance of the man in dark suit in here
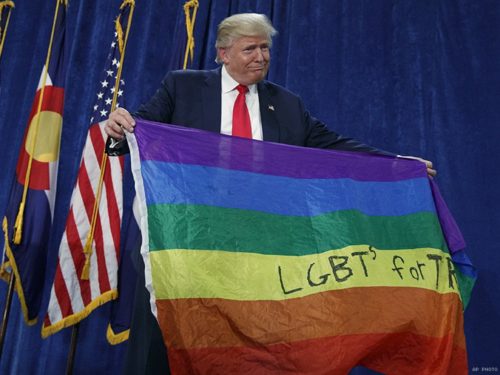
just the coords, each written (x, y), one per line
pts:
(210, 100)
(205, 99)
(193, 99)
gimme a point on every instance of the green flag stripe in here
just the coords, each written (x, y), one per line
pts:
(228, 229)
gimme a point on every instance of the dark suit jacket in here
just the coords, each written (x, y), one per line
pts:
(192, 98)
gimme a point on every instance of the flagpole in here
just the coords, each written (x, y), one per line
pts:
(18, 224)
(3, 33)
(122, 43)
(85, 275)
(72, 349)
(6, 312)
(190, 21)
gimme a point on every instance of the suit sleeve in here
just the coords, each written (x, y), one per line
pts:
(161, 105)
(159, 108)
(318, 135)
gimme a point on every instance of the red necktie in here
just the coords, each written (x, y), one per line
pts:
(241, 118)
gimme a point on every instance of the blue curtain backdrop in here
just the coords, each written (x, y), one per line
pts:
(415, 77)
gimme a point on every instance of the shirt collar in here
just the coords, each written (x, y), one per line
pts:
(229, 84)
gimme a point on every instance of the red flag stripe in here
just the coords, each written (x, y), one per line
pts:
(62, 294)
(102, 275)
(388, 353)
(71, 294)
(113, 207)
(89, 180)
(53, 100)
(113, 172)
(75, 245)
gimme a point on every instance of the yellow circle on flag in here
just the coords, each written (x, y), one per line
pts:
(48, 136)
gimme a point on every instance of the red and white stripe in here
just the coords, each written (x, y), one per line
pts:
(72, 297)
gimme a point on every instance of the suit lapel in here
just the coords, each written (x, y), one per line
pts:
(270, 125)
(211, 97)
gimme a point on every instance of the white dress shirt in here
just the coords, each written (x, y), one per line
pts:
(229, 94)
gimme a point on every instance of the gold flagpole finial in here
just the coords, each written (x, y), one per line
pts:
(190, 22)
(4, 4)
(127, 2)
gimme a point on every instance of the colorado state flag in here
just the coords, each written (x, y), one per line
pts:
(29, 214)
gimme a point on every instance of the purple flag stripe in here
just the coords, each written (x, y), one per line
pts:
(449, 226)
(177, 144)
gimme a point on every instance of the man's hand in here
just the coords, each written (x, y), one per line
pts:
(431, 172)
(119, 120)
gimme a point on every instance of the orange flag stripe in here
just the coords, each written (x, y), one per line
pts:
(199, 323)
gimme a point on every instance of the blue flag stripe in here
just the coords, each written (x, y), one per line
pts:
(174, 183)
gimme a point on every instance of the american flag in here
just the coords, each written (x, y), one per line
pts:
(85, 279)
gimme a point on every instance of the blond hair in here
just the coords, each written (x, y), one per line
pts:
(240, 25)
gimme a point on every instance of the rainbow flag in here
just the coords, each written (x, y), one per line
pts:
(264, 258)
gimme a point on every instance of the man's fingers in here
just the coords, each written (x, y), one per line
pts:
(119, 121)
(123, 118)
(431, 172)
(114, 131)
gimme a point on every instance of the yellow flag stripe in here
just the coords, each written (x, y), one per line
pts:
(250, 277)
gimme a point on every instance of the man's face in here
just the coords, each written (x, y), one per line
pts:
(247, 59)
